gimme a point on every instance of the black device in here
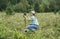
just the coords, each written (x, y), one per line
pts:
(25, 14)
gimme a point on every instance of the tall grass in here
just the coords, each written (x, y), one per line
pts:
(49, 27)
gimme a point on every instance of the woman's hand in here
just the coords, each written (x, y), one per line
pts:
(27, 17)
(24, 16)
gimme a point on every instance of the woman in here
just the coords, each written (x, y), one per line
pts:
(34, 22)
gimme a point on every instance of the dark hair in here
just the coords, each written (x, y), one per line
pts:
(34, 14)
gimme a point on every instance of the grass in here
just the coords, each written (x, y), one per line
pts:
(49, 27)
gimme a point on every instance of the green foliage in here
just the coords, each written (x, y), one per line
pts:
(49, 27)
(3, 4)
(42, 8)
(20, 7)
(59, 11)
(28, 5)
(13, 2)
(36, 7)
(9, 11)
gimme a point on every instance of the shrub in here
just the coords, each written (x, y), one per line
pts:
(36, 7)
(9, 11)
(59, 11)
(20, 7)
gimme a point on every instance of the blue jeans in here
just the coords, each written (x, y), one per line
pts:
(32, 26)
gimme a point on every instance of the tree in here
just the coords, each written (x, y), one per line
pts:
(36, 7)
(19, 7)
(9, 9)
(13, 2)
(3, 4)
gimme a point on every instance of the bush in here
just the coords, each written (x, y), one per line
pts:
(9, 11)
(59, 11)
(20, 7)
(36, 7)
(42, 8)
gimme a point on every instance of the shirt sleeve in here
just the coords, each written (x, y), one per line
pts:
(32, 18)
